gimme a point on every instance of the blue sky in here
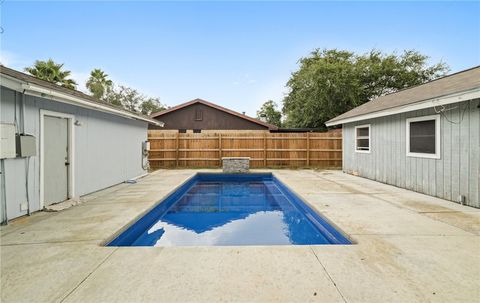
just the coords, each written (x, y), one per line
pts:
(236, 54)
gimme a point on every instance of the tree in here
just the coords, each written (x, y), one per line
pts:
(151, 105)
(269, 113)
(51, 72)
(331, 82)
(130, 99)
(99, 84)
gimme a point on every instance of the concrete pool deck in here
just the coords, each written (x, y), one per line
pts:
(410, 248)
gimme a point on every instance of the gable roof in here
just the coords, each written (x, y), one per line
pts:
(218, 107)
(33, 86)
(434, 93)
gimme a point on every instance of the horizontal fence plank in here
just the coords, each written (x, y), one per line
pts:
(170, 149)
(242, 149)
(198, 159)
(286, 159)
(162, 150)
(198, 149)
(242, 138)
(326, 138)
(287, 149)
(198, 138)
(326, 159)
(325, 150)
(162, 159)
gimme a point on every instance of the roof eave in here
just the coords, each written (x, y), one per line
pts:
(437, 101)
(40, 91)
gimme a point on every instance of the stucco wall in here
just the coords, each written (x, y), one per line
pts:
(107, 150)
(455, 173)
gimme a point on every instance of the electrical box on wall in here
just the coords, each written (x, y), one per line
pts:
(146, 145)
(7, 141)
(26, 146)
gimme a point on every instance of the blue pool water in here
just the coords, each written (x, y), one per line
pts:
(230, 209)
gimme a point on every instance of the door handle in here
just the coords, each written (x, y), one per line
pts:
(67, 163)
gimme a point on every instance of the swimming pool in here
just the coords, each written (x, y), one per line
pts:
(213, 209)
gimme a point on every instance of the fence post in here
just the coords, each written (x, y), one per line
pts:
(264, 150)
(308, 149)
(176, 151)
(220, 149)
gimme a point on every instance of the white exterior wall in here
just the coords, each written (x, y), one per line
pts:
(107, 150)
(455, 173)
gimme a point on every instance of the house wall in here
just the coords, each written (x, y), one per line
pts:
(455, 173)
(107, 150)
(184, 118)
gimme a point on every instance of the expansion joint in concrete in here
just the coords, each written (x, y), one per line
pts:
(328, 275)
(89, 274)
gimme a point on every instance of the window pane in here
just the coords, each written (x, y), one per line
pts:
(422, 137)
(422, 128)
(362, 144)
(422, 145)
(362, 131)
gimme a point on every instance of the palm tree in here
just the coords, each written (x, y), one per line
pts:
(52, 72)
(98, 84)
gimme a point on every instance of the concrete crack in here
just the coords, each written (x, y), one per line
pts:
(84, 279)
(328, 275)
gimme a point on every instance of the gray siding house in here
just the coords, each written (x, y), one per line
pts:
(425, 138)
(58, 144)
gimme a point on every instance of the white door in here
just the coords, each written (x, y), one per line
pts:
(55, 159)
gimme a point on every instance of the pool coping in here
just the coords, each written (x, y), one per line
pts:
(310, 208)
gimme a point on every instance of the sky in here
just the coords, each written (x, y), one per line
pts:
(235, 54)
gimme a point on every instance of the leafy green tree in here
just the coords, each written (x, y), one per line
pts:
(130, 99)
(331, 82)
(99, 84)
(151, 105)
(52, 72)
(270, 114)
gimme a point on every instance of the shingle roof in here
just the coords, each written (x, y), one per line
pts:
(72, 92)
(455, 83)
(221, 108)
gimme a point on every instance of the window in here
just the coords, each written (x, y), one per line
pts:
(197, 131)
(198, 115)
(362, 138)
(423, 137)
(182, 130)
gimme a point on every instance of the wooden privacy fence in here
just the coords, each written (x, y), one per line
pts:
(173, 149)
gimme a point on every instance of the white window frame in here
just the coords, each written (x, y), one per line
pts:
(71, 153)
(436, 118)
(369, 139)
